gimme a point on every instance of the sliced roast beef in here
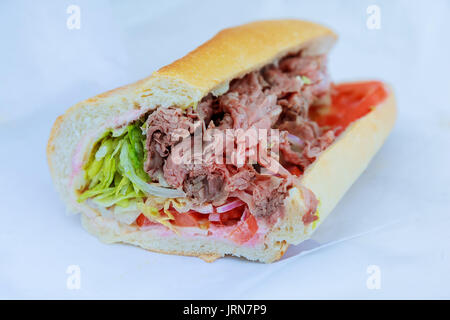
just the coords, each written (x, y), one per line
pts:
(303, 151)
(206, 187)
(204, 110)
(248, 105)
(240, 179)
(295, 104)
(202, 177)
(312, 67)
(278, 96)
(281, 83)
(269, 193)
(311, 72)
(162, 127)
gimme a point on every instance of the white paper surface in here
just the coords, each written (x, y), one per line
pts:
(396, 216)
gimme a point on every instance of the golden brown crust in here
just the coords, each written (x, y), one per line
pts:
(209, 257)
(236, 51)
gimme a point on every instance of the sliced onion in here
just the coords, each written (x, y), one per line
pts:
(158, 191)
(230, 206)
(204, 209)
(295, 140)
(244, 196)
(214, 217)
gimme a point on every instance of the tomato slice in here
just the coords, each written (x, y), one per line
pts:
(143, 221)
(231, 217)
(309, 217)
(184, 219)
(246, 225)
(351, 101)
(190, 219)
(295, 170)
(245, 229)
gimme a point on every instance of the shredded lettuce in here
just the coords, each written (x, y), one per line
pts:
(115, 171)
(136, 176)
(306, 80)
(129, 213)
(153, 214)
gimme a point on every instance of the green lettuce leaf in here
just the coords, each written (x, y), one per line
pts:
(306, 80)
(115, 171)
(107, 185)
(153, 214)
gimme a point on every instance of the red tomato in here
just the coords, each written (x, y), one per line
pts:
(232, 216)
(351, 101)
(184, 219)
(143, 221)
(189, 219)
(295, 170)
(245, 230)
(309, 217)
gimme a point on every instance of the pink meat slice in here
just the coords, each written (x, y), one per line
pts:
(278, 96)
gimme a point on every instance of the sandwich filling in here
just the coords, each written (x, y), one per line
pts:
(206, 171)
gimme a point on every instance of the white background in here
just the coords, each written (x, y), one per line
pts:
(396, 216)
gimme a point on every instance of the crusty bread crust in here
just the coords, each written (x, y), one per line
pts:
(230, 54)
(234, 52)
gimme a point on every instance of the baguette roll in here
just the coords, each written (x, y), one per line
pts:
(209, 69)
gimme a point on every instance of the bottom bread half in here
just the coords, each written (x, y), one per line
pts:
(209, 249)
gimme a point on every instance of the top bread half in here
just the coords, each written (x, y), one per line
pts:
(230, 54)
(237, 51)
